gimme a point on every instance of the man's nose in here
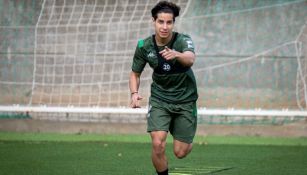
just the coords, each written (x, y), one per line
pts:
(164, 26)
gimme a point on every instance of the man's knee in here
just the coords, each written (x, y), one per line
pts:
(182, 150)
(158, 147)
(181, 153)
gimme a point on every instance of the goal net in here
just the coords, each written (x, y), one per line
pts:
(84, 50)
(250, 54)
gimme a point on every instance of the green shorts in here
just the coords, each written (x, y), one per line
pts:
(179, 119)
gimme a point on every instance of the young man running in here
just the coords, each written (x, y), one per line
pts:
(172, 104)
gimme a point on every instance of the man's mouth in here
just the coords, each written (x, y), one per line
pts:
(164, 33)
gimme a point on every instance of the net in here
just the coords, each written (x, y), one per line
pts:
(301, 83)
(250, 54)
(83, 51)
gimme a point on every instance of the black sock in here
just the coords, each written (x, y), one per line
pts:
(163, 172)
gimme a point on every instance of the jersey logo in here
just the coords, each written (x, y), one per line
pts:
(151, 55)
(166, 67)
(190, 44)
(140, 43)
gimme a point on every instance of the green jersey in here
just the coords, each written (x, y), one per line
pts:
(172, 82)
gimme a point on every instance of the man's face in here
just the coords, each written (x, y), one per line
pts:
(164, 25)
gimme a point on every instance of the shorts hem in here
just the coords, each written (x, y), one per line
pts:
(188, 141)
(151, 130)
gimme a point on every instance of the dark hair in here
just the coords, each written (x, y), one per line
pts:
(166, 7)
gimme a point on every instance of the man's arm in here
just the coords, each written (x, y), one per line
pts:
(134, 83)
(186, 58)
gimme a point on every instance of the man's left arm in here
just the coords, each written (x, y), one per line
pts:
(186, 58)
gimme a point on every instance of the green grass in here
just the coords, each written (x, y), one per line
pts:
(90, 154)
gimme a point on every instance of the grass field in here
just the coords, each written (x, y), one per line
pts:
(90, 154)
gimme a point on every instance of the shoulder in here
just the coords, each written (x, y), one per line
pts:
(144, 47)
(145, 43)
(185, 41)
(184, 37)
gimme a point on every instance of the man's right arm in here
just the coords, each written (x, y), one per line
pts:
(134, 83)
(138, 65)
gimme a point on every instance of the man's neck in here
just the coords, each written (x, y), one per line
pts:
(163, 41)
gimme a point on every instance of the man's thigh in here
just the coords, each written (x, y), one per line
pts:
(184, 122)
(158, 117)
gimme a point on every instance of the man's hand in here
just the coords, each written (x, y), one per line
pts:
(168, 53)
(135, 100)
(186, 58)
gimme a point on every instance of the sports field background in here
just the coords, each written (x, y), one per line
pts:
(57, 154)
(251, 54)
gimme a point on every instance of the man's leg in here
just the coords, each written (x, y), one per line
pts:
(158, 156)
(183, 128)
(181, 149)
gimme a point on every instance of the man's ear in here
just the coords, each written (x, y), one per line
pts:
(153, 21)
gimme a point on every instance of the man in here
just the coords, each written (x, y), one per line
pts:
(172, 104)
